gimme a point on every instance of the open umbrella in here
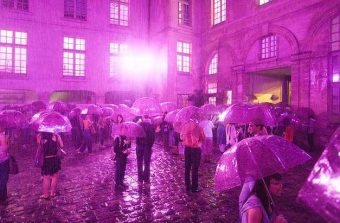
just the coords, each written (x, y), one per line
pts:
(190, 113)
(147, 106)
(38, 105)
(58, 106)
(262, 112)
(256, 157)
(171, 116)
(123, 110)
(128, 129)
(12, 119)
(321, 192)
(237, 114)
(210, 109)
(168, 106)
(54, 122)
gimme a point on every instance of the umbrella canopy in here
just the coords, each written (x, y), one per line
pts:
(107, 111)
(91, 109)
(35, 120)
(12, 119)
(321, 192)
(210, 109)
(263, 113)
(38, 105)
(190, 113)
(147, 106)
(157, 120)
(256, 157)
(128, 129)
(54, 122)
(168, 106)
(123, 110)
(171, 116)
(237, 113)
(58, 106)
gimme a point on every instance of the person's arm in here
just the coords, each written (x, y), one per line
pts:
(4, 143)
(254, 215)
(60, 141)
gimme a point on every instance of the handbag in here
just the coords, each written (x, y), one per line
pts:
(13, 166)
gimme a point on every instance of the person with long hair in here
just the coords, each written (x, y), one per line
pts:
(50, 144)
(259, 206)
(4, 165)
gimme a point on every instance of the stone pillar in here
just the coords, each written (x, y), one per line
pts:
(241, 87)
(301, 80)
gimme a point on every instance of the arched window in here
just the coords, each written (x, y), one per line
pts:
(213, 65)
(335, 68)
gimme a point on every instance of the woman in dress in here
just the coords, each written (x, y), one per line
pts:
(50, 144)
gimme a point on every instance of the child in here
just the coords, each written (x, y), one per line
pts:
(121, 145)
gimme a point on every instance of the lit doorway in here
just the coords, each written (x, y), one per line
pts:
(271, 86)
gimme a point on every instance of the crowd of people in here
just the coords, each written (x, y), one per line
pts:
(210, 136)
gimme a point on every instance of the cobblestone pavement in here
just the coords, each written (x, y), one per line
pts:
(86, 192)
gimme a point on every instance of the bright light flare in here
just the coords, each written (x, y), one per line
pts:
(336, 78)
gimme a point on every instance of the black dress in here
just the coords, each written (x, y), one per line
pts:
(51, 164)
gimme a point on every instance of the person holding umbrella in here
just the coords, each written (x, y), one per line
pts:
(50, 143)
(121, 146)
(258, 207)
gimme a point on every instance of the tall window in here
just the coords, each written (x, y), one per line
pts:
(184, 16)
(13, 52)
(262, 2)
(119, 12)
(212, 90)
(213, 65)
(219, 11)
(183, 57)
(269, 46)
(76, 9)
(74, 57)
(335, 38)
(116, 52)
(15, 4)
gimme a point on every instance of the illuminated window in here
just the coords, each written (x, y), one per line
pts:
(229, 97)
(74, 57)
(335, 38)
(183, 57)
(76, 9)
(182, 100)
(116, 52)
(212, 88)
(15, 4)
(335, 82)
(184, 17)
(13, 52)
(269, 47)
(119, 12)
(213, 65)
(262, 2)
(219, 11)
(212, 100)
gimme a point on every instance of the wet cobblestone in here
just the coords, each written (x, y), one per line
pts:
(86, 192)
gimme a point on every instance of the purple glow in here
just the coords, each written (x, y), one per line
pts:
(336, 78)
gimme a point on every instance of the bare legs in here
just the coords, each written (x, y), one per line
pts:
(49, 182)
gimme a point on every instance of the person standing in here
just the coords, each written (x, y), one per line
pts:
(207, 143)
(221, 136)
(50, 144)
(165, 130)
(310, 132)
(192, 136)
(144, 150)
(121, 146)
(88, 129)
(4, 165)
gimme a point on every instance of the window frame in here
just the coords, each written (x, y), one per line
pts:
(215, 67)
(115, 57)
(183, 55)
(75, 10)
(276, 51)
(74, 52)
(14, 47)
(223, 17)
(180, 16)
(15, 5)
(119, 22)
(332, 33)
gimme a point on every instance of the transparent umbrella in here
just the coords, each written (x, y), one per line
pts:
(168, 106)
(128, 129)
(12, 119)
(210, 109)
(171, 116)
(147, 106)
(256, 157)
(237, 113)
(321, 191)
(262, 112)
(123, 110)
(54, 122)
